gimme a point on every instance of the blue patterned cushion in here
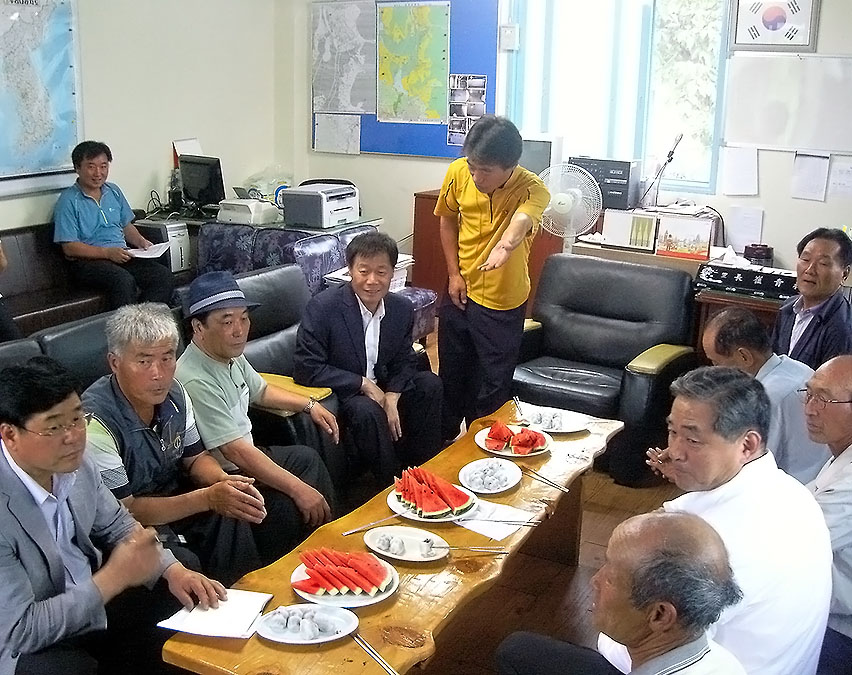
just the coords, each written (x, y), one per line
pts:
(274, 246)
(425, 303)
(225, 246)
(317, 256)
(347, 235)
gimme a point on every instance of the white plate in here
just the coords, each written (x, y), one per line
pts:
(346, 622)
(572, 422)
(483, 433)
(411, 537)
(402, 510)
(346, 599)
(512, 471)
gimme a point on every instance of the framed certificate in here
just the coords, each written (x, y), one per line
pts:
(776, 25)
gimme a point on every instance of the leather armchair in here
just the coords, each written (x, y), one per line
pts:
(607, 339)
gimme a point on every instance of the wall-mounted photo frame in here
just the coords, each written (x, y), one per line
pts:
(775, 26)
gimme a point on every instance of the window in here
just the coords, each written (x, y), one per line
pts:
(621, 78)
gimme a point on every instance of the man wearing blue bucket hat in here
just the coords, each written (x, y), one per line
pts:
(221, 384)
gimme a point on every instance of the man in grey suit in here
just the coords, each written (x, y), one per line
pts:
(57, 520)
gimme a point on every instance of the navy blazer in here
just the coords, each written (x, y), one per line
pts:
(829, 333)
(330, 348)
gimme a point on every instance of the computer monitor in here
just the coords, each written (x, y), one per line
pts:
(202, 179)
(536, 155)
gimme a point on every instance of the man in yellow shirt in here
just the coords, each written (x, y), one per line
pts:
(490, 210)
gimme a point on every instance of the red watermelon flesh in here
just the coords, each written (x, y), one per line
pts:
(457, 500)
(431, 505)
(309, 586)
(527, 440)
(318, 577)
(343, 579)
(500, 432)
(495, 444)
(368, 566)
(359, 580)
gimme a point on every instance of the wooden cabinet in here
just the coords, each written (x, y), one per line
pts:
(430, 270)
(710, 302)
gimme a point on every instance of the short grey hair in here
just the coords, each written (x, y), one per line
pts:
(738, 400)
(693, 587)
(145, 323)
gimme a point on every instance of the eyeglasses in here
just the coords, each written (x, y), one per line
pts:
(77, 424)
(806, 397)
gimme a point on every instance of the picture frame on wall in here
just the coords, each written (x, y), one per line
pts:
(774, 26)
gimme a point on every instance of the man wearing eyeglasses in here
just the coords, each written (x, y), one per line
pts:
(828, 411)
(68, 549)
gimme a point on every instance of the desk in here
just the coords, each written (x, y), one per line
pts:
(403, 627)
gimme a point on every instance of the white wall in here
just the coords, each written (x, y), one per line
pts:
(158, 70)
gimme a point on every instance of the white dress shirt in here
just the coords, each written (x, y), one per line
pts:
(802, 320)
(780, 553)
(788, 439)
(57, 516)
(372, 329)
(833, 491)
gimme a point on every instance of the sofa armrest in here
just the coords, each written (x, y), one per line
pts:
(285, 382)
(531, 341)
(655, 359)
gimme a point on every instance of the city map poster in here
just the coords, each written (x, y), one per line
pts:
(413, 47)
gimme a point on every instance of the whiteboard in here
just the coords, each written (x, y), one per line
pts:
(789, 102)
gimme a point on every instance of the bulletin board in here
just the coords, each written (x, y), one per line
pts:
(789, 102)
(473, 50)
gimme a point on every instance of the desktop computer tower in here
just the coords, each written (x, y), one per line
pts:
(179, 257)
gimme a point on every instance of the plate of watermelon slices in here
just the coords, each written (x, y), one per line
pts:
(509, 440)
(421, 495)
(343, 579)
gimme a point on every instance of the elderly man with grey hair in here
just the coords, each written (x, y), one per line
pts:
(665, 580)
(144, 439)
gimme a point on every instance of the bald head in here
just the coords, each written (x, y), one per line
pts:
(679, 559)
(831, 423)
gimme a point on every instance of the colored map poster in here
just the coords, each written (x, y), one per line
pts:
(38, 87)
(413, 41)
(343, 46)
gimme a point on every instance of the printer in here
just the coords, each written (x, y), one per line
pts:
(320, 205)
(180, 256)
(248, 212)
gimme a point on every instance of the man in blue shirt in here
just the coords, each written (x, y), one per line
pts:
(93, 223)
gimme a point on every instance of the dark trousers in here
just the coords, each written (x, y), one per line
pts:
(137, 280)
(8, 329)
(836, 655)
(365, 425)
(532, 654)
(131, 644)
(477, 354)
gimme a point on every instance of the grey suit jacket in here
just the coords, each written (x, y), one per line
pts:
(36, 609)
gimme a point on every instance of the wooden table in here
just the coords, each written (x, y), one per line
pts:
(403, 627)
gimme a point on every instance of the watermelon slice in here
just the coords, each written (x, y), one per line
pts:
(500, 432)
(342, 581)
(431, 505)
(494, 444)
(457, 500)
(320, 579)
(359, 580)
(526, 441)
(369, 567)
(309, 586)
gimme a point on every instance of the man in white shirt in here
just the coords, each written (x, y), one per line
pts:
(356, 340)
(735, 337)
(773, 529)
(665, 580)
(828, 408)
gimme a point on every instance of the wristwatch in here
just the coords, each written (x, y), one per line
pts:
(310, 405)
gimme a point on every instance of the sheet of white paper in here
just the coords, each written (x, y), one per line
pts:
(810, 176)
(739, 171)
(234, 618)
(337, 133)
(490, 511)
(840, 178)
(154, 252)
(187, 146)
(745, 226)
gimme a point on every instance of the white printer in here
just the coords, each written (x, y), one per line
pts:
(319, 205)
(248, 212)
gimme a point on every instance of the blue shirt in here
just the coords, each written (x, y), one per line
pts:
(79, 217)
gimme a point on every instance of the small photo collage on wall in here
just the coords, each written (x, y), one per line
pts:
(467, 104)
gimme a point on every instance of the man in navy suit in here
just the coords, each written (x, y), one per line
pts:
(816, 325)
(356, 340)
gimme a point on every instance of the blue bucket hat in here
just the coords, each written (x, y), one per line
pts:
(215, 290)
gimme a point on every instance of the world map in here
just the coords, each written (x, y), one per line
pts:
(38, 100)
(413, 42)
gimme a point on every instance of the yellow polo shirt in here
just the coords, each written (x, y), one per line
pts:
(482, 221)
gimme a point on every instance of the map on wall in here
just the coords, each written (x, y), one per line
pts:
(343, 45)
(413, 43)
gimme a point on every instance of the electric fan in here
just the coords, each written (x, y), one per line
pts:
(575, 202)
